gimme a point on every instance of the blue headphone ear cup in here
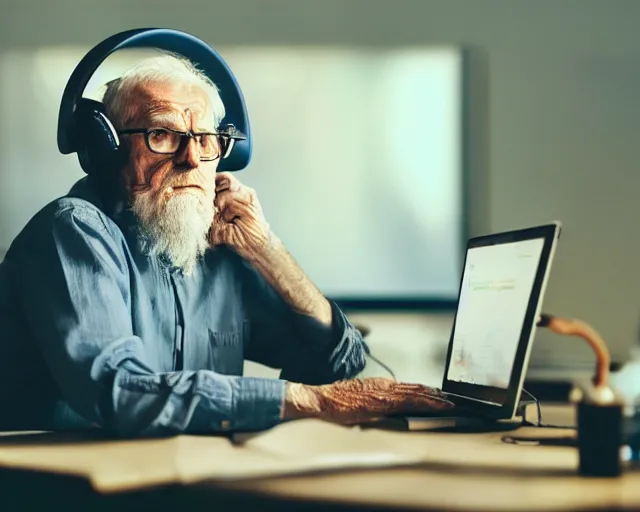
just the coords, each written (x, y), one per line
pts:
(100, 151)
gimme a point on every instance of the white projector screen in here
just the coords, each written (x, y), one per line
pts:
(358, 164)
(358, 157)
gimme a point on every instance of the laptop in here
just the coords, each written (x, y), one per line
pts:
(501, 291)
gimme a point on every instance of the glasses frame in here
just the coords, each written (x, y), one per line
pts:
(230, 133)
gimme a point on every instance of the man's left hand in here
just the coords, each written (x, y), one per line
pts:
(239, 221)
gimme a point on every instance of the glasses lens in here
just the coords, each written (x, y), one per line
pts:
(168, 142)
(209, 146)
(223, 144)
(163, 141)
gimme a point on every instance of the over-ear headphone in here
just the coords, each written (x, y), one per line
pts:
(84, 128)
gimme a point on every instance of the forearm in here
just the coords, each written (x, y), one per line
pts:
(194, 402)
(283, 273)
(214, 404)
(132, 400)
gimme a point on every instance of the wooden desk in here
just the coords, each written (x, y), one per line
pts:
(468, 472)
(449, 471)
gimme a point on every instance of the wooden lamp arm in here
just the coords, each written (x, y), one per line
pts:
(567, 326)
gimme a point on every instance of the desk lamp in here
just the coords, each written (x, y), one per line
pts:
(599, 408)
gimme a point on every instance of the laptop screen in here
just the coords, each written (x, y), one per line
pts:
(494, 297)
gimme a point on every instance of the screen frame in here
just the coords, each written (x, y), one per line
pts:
(488, 396)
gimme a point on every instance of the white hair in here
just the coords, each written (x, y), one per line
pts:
(168, 68)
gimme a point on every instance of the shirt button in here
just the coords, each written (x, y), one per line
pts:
(225, 424)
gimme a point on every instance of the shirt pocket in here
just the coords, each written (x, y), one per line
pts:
(226, 351)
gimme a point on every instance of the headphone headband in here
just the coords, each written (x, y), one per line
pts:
(187, 45)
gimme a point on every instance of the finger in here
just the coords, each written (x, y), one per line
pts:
(232, 205)
(226, 181)
(421, 388)
(430, 401)
(221, 182)
(423, 391)
(411, 388)
(432, 391)
(376, 384)
(220, 232)
(406, 392)
(235, 210)
(251, 230)
(437, 391)
(228, 196)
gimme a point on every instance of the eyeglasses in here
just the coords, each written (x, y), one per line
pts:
(211, 145)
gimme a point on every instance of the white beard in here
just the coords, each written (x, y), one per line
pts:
(177, 228)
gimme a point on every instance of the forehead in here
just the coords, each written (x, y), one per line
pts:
(183, 103)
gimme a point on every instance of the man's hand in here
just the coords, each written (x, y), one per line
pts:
(239, 221)
(240, 224)
(355, 401)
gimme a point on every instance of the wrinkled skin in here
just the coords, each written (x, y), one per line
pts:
(359, 400)
(239, 222)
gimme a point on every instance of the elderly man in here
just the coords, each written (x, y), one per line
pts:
(131, 304)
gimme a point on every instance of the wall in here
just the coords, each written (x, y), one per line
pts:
(563, 119)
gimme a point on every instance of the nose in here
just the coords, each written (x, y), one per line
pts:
(189, 157)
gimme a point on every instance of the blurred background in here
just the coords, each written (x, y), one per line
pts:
(385, 134)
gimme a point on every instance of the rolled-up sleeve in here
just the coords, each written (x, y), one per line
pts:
(306, 350)
(74, 288)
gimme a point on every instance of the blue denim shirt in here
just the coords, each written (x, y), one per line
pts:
(95, 332)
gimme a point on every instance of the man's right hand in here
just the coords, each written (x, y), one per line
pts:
(360, 400)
